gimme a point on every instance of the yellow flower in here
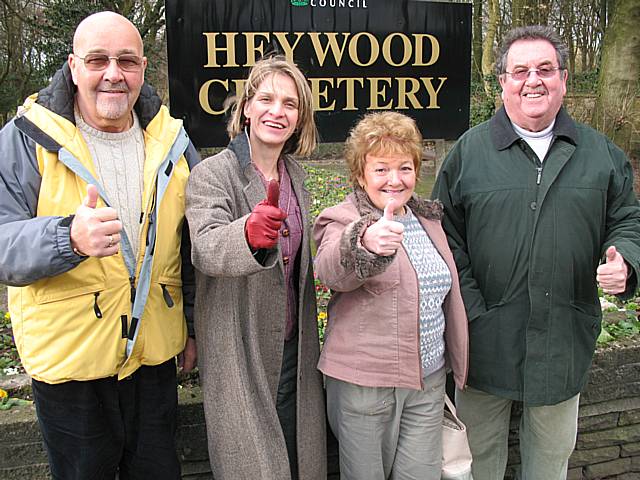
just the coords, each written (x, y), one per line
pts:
(3, 394)
(322, 316)
(7, 316)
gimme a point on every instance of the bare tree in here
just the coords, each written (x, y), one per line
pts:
(619, 79)
(488, 55)
(36, 37)
(528, 12)
(476, 67)
(20, 60)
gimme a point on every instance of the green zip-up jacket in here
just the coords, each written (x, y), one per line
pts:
(527, 237)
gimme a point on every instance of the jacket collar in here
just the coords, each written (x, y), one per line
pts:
(239, 145)
(59, 95)
(429, 209)
(503, 134)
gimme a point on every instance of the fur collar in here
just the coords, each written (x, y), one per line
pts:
(353, 255)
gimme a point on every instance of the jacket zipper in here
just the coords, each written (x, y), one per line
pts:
(96, 308)
(149, 225)
(132, 282)
(538, 165)
(130, 332)
(150, 204)
(541, 162)
(167, 296)
(132, 328)
(125, 326)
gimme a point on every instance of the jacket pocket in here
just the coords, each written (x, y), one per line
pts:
(367, 401)
(64, 329)
(44, 296)
(588, 309)
(163, 325)
(586, 320)
(171, 289)
(491, 309)
(87, 277)
(384, 281)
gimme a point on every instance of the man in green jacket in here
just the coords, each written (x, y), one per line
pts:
(539, 211)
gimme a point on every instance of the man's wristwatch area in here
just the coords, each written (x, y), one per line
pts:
(66, 222)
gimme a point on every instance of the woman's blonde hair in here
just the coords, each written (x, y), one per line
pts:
(304, 138)
(380, 134)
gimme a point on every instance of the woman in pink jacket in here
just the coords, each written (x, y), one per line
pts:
(396, 318)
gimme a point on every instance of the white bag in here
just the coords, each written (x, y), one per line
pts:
(456, 455)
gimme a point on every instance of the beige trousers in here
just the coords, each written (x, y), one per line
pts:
(547, 435)
(388, 433)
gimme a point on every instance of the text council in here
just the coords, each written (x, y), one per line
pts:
(339, 3)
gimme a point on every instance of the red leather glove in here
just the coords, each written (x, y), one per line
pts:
(264, 223)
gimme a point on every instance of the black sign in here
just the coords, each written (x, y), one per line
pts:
(358, 55)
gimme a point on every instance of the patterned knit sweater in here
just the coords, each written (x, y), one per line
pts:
(434, 280)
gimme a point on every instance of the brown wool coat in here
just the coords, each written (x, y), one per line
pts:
(240, 320)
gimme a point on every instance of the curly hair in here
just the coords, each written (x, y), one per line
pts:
(383, 133)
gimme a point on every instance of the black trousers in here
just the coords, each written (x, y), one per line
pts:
(96, 428)
(286, 401)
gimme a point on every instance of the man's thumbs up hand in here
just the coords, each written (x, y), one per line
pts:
(613, 255)
(612, 275)
(95, 232)
(385, 236)
(91, 200)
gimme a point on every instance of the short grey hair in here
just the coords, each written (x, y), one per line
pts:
(531, 32)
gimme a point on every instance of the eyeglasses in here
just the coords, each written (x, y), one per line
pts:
(100, 61)
(520, 74)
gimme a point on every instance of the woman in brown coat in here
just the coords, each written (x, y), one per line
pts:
(255, 310)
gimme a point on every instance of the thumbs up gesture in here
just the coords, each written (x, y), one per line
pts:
(95, 232)
(385, 236)
(264, 222)
(612, 275)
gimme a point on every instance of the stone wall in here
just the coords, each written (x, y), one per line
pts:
(608, 444)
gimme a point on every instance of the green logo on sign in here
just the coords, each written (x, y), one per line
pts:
(299, 3)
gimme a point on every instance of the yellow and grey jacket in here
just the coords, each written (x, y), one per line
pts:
(77, 318)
